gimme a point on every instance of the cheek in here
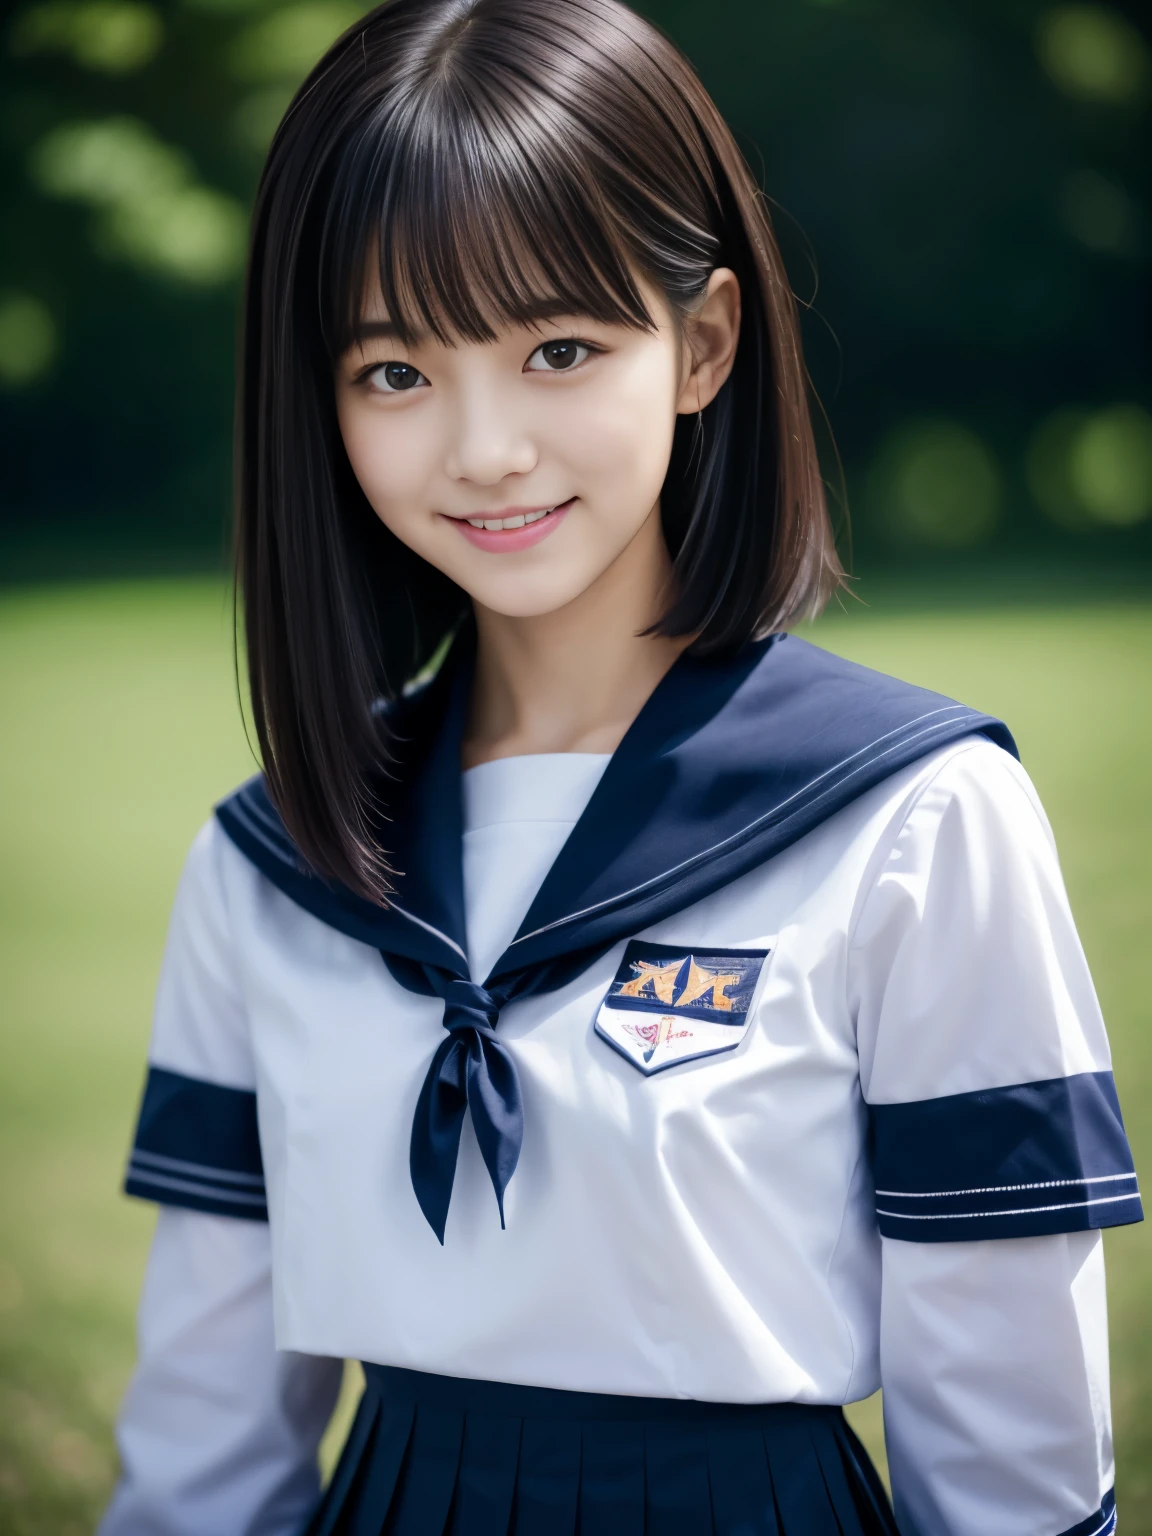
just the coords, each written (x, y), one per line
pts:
(624, 435)
(388, 456)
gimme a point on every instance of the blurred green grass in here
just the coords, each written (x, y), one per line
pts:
(121, 728)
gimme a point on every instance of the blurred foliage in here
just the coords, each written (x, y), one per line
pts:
(968, 181)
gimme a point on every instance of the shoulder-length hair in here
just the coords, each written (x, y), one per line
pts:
(496, 161)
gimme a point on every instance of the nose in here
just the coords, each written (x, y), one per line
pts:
(487, 441)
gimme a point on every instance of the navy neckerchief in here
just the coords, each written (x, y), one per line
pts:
(726, 764)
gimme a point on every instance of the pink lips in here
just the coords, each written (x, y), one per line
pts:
(507, 540)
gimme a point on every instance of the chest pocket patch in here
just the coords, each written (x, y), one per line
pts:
(667, 1004)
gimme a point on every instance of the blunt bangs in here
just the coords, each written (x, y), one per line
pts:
(490, 163)
(482, 198)
(464, 238)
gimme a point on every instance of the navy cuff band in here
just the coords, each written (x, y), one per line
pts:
(1102, 1523)
(197, 1145)
(1021, 1161)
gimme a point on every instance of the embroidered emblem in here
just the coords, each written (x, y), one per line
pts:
(667, 1005)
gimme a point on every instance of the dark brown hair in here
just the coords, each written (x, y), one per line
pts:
(498, 160)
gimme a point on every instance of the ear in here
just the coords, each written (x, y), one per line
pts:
(710, 334)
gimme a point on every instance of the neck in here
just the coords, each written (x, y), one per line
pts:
(574, 680)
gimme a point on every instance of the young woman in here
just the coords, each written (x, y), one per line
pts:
(630, 1031)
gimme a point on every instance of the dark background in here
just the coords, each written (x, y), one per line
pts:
(961, 192)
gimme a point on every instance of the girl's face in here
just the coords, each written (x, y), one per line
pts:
(523, 467)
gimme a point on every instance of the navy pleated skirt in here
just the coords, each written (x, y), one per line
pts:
(438, 1456)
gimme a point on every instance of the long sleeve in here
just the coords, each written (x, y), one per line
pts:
(218, 1431)
(998, 1152)
(995, 1367)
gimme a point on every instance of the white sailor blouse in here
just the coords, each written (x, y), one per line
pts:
(759, 1062)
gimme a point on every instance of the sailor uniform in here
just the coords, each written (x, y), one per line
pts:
(794, 1218)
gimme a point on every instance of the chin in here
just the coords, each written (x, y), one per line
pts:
(530, 597)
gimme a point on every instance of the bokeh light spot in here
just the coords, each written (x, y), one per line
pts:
(195, 234)
(154, 212)
(114, 160)
(1049, 472)
(1111, 465)
(285, 45)
(28, 339)
(1094, 53)
(111, 36)
(1087, 468)
(936, 483)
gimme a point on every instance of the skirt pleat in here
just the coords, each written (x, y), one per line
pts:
(434, 1456)
(612, 1480)
(742, 1499)
(427, 1483)
(380, 1468)
(486, 1482)
(797, 1481)
(676, 1467)
(548, 1484)
(830, 1456)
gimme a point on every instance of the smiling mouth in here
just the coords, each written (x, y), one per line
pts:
(519, 520)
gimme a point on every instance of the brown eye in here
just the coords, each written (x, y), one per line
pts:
(392, 378)
(557, 356)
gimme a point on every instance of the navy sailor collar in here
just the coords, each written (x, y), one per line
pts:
(727, 763)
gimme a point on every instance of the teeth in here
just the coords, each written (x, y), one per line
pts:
(495, 524)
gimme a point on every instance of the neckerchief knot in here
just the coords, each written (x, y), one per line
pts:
(472, 1071)
(468, 1006)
